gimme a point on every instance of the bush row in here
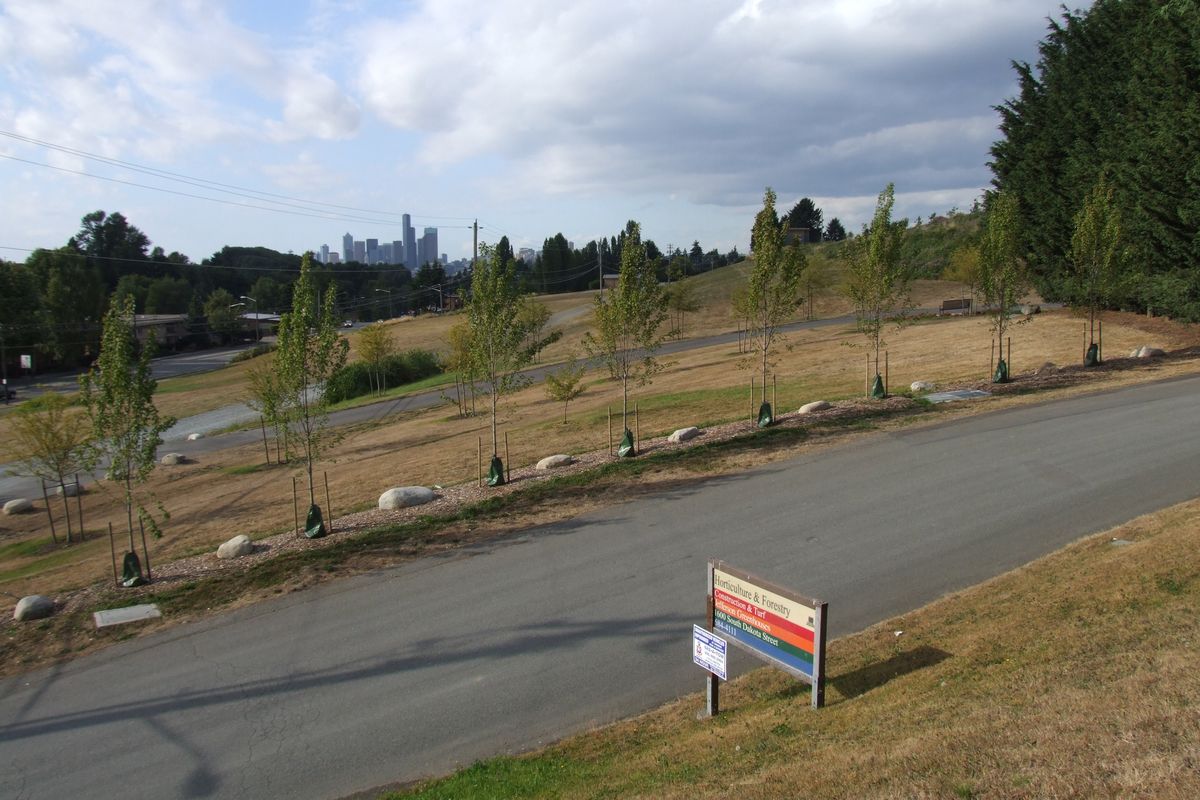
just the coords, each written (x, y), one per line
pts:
(358, 379)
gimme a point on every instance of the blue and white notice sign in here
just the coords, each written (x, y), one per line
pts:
(708, 651)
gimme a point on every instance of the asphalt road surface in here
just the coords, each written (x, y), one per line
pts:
(415, 670)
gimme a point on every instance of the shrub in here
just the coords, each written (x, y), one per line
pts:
(354, 380)
(260, 349)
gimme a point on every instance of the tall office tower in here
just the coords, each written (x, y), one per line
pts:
(347, 248)
(385, 253)
(372, 251)
(397, 252)
(324, 254)
(360, 251)
(431, 246)
(410, 243)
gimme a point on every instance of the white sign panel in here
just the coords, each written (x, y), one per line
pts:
(26, 362)
(708, 651)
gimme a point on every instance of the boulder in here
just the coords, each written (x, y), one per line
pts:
(560, 460)
(815, 405)
(921, 386)
(1150, 352)
(171, 459)
(34, 606)
(194, 436)
(18, 506)
(237, 546)
(69, 489)
(683, 434)
(405, 496)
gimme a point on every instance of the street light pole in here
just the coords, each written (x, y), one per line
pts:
(391, 312)
(257, 338)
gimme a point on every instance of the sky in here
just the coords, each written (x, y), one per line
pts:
(289, 124)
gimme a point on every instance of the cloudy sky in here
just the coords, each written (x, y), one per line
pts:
(287, 124)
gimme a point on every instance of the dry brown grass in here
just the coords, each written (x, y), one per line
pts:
(208, 504)
(1074, 676)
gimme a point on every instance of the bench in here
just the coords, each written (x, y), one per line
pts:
(958, 306)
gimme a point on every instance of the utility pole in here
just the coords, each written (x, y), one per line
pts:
(600, 258)
(474, 244)
(3, 366)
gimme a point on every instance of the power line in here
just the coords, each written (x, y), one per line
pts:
(215, 185)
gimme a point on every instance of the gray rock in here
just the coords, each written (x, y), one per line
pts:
(921, 386)
(560, 460)
(69, 489)
(191, 437)
(683, 434)
(1151, 352)
(35, 606)
(816, 405)
(171, 459)
(239, 545)
(18, 505)
(405, 496)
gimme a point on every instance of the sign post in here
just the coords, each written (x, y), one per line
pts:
(775, 624)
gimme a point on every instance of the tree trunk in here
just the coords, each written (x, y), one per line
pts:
(62, 487)
(495, 395)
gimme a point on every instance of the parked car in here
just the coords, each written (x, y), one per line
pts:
(347, 324)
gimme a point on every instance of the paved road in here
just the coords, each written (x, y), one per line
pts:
(417, 669)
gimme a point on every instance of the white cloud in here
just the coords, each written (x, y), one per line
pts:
(156, 78)
(627, 96)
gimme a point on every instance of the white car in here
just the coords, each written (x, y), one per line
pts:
(347, 324)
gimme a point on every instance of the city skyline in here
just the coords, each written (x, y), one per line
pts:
(283, 125)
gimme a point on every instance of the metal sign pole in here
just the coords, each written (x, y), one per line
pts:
(712, 694)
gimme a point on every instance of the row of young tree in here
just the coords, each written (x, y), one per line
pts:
(1111, 106)
(118, 430)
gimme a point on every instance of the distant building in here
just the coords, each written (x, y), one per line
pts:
(427, 248)
(397, 252)
(410, 243)
(385, 253)
(324, 256)
(800, 236)
(527, 254)
(168, 329)
(334, 258)
(360, 252)
(372, 251)
(348, 247)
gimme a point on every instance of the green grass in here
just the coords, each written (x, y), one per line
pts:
(243, 469)
(53, 559)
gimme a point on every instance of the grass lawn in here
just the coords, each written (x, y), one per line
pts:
(1074, 676)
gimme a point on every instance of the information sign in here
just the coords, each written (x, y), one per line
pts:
(771, 622)
(709, 651)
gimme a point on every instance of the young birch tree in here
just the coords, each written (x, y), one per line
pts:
(773, 285)
(566, 383)
(629, 320)
(118, 394)
(48, 441)
(1097, 254)
(502, 342)
(375, 346)
(1002, 276)
(876, 280)
(310, 351)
